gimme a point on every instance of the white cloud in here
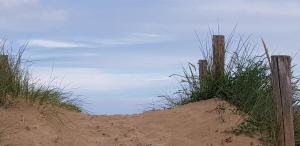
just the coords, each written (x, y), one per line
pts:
(131, 39)
(29, 15)
(134, 39)
(95, 79)
(55, 44)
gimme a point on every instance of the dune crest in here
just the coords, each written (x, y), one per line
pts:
(195, 124)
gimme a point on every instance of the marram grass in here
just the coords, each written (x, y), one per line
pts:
(246, 84)
(16, 84)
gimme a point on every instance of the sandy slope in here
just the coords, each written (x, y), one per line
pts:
(197, 124)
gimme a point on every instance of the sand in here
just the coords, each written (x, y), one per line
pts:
(195, 124)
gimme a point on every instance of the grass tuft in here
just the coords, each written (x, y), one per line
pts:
(246, 84)
(16, 83)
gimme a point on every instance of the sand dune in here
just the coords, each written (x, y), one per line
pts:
(196, 124)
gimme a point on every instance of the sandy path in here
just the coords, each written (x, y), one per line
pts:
(196, 124)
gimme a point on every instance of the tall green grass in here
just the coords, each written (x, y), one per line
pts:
(17, 84)
(246, 84)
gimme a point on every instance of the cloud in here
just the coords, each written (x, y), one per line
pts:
(55, 44)
(131, 39)
(95, 79)
(26, 15)
(134, 39)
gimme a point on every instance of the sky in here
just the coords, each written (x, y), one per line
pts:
(118, 54)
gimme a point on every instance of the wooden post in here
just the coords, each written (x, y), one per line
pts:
(202, 69)
(3, 67)
(282, 92)
(218, 55)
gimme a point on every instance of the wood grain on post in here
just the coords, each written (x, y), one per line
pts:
(202, 68)
(218, 55)
(282, 92)
(3, 67)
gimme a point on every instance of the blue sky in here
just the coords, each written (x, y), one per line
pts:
(118, 54)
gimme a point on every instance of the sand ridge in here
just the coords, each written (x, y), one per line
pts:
(195, 124)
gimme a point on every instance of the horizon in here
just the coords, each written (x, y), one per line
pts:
(118, 54)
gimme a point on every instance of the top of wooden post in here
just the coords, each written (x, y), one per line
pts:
(3, 55)
(201, 61)
(284, 58)
(281, 56)
(218, 37)
(4, 59)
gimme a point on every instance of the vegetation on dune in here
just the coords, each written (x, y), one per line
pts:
(17, 84)
(246, 84)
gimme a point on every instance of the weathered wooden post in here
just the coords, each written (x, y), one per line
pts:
(202, 69)
(282, 92)
(3, 67)
(218, 44)
(3, 74)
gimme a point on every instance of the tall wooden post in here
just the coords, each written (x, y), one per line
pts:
(202, 68)
(282, 92)
(218, 44)
(3, 67)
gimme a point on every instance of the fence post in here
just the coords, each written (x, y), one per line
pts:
(3, 67)
(218, 44)
(202, 69)
(282, 93)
